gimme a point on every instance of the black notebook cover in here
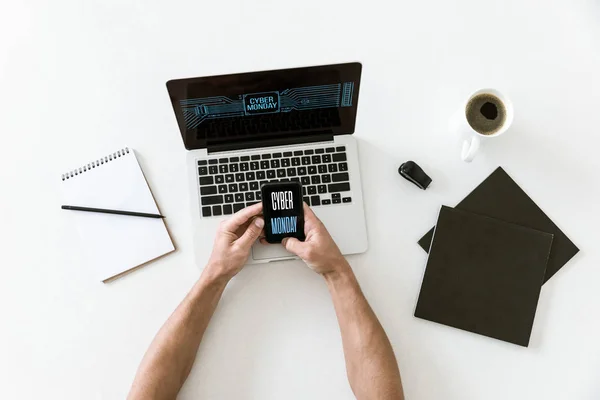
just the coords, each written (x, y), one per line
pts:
(500, 197)
(484, 276)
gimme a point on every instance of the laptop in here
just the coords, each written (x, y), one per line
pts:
(244, 130)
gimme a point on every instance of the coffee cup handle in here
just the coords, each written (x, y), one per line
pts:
(470, 148)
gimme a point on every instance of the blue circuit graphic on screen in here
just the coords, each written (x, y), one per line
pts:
(196, 111)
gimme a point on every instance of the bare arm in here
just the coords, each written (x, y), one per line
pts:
(370, 362)
(169, 359)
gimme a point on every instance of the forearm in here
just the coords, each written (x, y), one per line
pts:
(370, 362)
(171, 355)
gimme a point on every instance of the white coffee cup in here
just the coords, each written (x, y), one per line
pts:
(471, 138)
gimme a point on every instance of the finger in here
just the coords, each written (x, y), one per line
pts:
(241, 217)
(309, 214)
(263, 241)
(293, 245)
(252, 233)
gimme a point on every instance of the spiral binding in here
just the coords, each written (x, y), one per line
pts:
(94, 164)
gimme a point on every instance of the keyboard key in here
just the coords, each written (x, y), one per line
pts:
(251, 203)
(223, 160)
(263, 182)
(217, 210)
(266, 156)
(222, 189)
(223, 168)
(239, 177)
(276, 155)
(274, 163)
(340, 177)
(243, 187)
(312, 170)
(296, 161)
(326, 202)
(287, 153)
(336, 196)
(281, 173)
(270, 174)
(234, 159)
(206, 212)
(309, 152)
(249, 196)
(332, 168)
(319, 151)
(244, 166)
(322, 189)
(312, 190)
(301, 170)
(233, 187)
(306, 200)
(260, 175)
(213, 161)
(305, 180)
(336, 201)
(305, 160)
(202, 171)
(229, 178)
(285, 162)
(239, 197)
(343, 166)
(303, 190)
(326, 178)
(237, 207)
(339, 157)
(315, 200)
(210, 200)
(227, 209)
(207, 190)
(253, 185)
(315, 179)
(250, 176)
(326, 158)
(234, 168)
(206, 180)
(330, 150)
(202, 162)
(322, 169)
(264, 164)
(291, 172)
(295, 179)
(213, 170)
(255, 157)
(298, 153)
(228, 198)
(245, 158)
(258, 195)
(338, 187)
(219, 179)
(316, 159)
(341, 148)
(254, 165)
(347, 200)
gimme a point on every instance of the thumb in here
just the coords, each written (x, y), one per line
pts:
(293, 245)
(252, 233)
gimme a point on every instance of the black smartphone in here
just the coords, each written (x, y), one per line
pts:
(283, 211)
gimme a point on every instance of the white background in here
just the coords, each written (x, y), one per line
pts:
(80, 78)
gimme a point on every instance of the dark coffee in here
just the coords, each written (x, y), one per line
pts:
(486, 113)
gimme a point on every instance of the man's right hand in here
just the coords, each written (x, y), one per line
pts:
(318, 250)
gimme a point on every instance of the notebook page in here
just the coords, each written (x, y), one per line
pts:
(115, 243)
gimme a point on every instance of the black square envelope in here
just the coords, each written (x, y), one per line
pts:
(484, 276)
(498, 196)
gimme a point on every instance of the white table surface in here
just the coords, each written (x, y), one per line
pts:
(80, 78)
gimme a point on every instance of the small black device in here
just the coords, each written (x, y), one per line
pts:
(411, 171)
(283, 211)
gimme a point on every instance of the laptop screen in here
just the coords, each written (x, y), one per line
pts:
(266, 108)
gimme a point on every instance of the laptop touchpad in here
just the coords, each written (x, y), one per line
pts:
(265, 251)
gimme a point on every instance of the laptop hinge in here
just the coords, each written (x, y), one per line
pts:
(269, 143)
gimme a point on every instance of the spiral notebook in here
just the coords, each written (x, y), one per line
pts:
(114, 244)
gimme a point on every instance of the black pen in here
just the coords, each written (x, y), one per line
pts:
(102, 210)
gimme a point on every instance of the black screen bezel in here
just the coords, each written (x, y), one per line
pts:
(178, 88)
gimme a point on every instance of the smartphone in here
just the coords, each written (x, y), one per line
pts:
(283, 211)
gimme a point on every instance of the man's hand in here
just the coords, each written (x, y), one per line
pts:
(234, 240)
(318, 250)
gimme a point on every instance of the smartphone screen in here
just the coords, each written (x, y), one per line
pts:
(283, 211)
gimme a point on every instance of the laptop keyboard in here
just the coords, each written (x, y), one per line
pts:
(228, 184)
